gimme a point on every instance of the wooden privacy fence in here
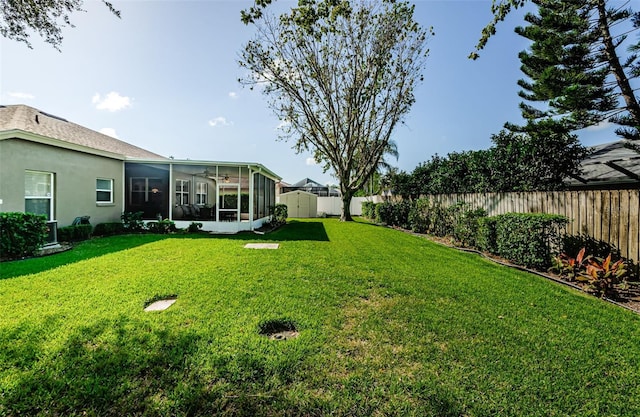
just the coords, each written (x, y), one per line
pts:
(612, 216)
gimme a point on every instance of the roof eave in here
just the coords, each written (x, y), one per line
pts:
(45, 140)
(253, 165)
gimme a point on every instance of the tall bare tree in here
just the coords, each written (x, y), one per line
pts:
(341, 75)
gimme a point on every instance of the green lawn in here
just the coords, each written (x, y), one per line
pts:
(390, 324)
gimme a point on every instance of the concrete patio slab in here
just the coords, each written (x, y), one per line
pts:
(262, 245)
(160, 305)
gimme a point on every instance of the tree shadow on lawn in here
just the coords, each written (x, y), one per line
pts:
(124, 366)
(294, 230)
(84, 250)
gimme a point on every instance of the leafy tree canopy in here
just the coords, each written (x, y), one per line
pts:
(341, 76)
(19, 18)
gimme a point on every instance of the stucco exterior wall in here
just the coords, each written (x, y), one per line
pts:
(75, 175)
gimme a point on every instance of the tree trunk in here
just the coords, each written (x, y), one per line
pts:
(346, 207)
(614, 61)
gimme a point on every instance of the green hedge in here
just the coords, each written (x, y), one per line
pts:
(369, 210)
(524, 238)
(528, 239)
(21, 234)
(74, 233)
(109, 229)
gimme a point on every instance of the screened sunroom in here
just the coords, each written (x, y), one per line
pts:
(226, 197)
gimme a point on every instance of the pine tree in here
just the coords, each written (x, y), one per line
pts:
(566, 70)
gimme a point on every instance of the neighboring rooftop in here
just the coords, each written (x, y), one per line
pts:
(610, 164)
(44, 125)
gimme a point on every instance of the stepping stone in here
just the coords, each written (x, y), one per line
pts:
(160, 305)
(262, 245)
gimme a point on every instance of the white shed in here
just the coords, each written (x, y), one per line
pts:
(300, 203)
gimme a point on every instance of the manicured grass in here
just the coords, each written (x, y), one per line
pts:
(390, 324)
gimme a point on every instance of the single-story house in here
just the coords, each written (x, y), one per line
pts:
(51, 166)
(310, 186)
(614, 165)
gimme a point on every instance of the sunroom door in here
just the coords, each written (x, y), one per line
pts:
(229, 202)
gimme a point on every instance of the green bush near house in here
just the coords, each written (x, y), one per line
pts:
(109, 229)
(280, 214)
(21, 234)
(74, 233)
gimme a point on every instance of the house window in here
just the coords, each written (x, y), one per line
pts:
(104, 191)
(38, 193)
(201, 193)
(182, 192)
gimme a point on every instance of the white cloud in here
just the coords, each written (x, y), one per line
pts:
(233, 95)
(22, 96)
(113, 101)
(220, 121)
(109, 131)
(310, 161)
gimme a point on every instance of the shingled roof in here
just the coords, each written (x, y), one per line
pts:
(610, 164)
(40, 125)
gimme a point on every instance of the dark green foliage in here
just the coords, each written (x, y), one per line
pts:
(21, 234)
(280, 214)
(529, 239)
(486, 239)
(573, 243)
(162, 227)
(109, 229)
(74, 233)
(369, 209)
(536, 161)
(194, 227)
(133, 221)
(527, 161)
(564, 72)
(466, 223)
(394, 213)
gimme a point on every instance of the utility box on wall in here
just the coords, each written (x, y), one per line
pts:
(300, 203)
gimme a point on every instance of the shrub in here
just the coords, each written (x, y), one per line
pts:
(528, 239)
(162, 227)
(369, 209)
(419, 219)
(466, 223)
(280, 214)
(194, 227)
(21, 234)
(74, 233)
(133, 221)
(109, 229)
(384, 212)
(486, 239)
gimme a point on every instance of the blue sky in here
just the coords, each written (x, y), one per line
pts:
(164, 77)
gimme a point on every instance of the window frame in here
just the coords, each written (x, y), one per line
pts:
(181, 194)
(202, 189)
(104, 190)
(50, 195)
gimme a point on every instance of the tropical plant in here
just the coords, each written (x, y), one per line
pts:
(603, 275)
(569, 267)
